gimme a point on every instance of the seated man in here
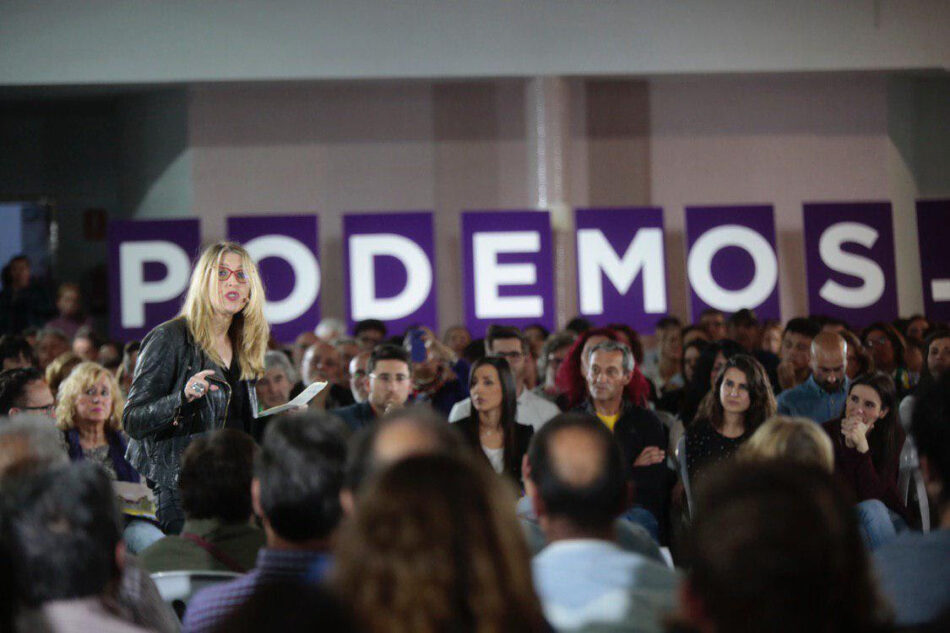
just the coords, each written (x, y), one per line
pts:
(795, 355)
(822, 396)
(63, 536)
(390, 379)
(509, 343)
(296, 493)
(912, 569)
(25, 391)
(574, 476)
(641, 435)
(215, 482)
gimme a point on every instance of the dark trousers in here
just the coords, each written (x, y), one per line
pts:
(171, 517)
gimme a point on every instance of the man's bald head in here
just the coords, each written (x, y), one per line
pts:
(576, 472)
(829, 360)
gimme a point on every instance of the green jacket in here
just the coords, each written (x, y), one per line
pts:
(239, 541)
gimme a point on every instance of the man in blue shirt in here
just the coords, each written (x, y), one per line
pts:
(822, 396)
(574, 475)
(296, 492)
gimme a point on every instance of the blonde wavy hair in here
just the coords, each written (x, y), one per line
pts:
(249, 330)
(435, 546)
(84, 376)
(797, 439)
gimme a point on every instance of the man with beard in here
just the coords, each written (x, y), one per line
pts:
(822, 396)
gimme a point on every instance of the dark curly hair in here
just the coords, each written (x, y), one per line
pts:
(761, 399)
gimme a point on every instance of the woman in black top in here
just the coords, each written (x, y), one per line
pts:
(196, 373)
(491, 427)
(740, 401)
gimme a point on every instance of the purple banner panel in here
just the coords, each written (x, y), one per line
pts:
(621, 268)
(389, 263)
(933, 231)
(286, 250)
(506, 269)
(150, 265)
(731, 262)
(849, 261)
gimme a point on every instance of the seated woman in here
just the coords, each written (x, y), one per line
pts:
(739, 403)
(89, 413)
(434, 546)
(794, 439)
(491, 428)
(867, 441)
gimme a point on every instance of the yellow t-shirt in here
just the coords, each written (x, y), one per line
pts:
(609, 420)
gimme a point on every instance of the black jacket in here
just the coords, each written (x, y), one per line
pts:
(356, 415)
(157, 416)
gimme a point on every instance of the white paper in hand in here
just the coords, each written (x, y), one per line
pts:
(301, 400)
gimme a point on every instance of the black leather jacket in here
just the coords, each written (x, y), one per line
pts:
(157, 416)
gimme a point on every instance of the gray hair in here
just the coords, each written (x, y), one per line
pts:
(330, 328)
(278, 360)
(41, 443)
(52, 331)
(614, 346)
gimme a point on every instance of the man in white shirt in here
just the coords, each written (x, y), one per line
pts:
(509, 343)
(574, 477)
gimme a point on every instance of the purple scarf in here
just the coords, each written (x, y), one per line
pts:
(123, 469)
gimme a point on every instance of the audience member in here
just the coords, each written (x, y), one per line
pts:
(664, 366)
(59, 370)
(575, 478)
(434, 546)
(887, 348)
(322, 362)
(867, 440)
(860, 361)
(50, 344)
(86, 345)
(775, 549)
(215, 483)
(15, 352)
(799, 440)
(301, 344)
(553, 353)
(370, 333)
(938, 362)
(578, 325)
(110, 355)
(348, 348)
(71, 317)
(712, 358)
(572, 374)
(359, 376)
(771, 339)
(89, 413)
(713, 321)
(916, 327)
(24, 302)
(536, 334)
(442, 378)
(694, 333)
(641, 435)
(491, 427)
(912, 569)
(509, 343)
(273, 388)
(822, 396)
(296, 493)
(64, 532)
(390, 380)
(330, 329)
(288, 606)
(742, 326)
(126, 370)
(740, 401)
(25, 391)
(457, 338)
(796, 352)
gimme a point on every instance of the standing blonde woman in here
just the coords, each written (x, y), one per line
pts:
(196, 373)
